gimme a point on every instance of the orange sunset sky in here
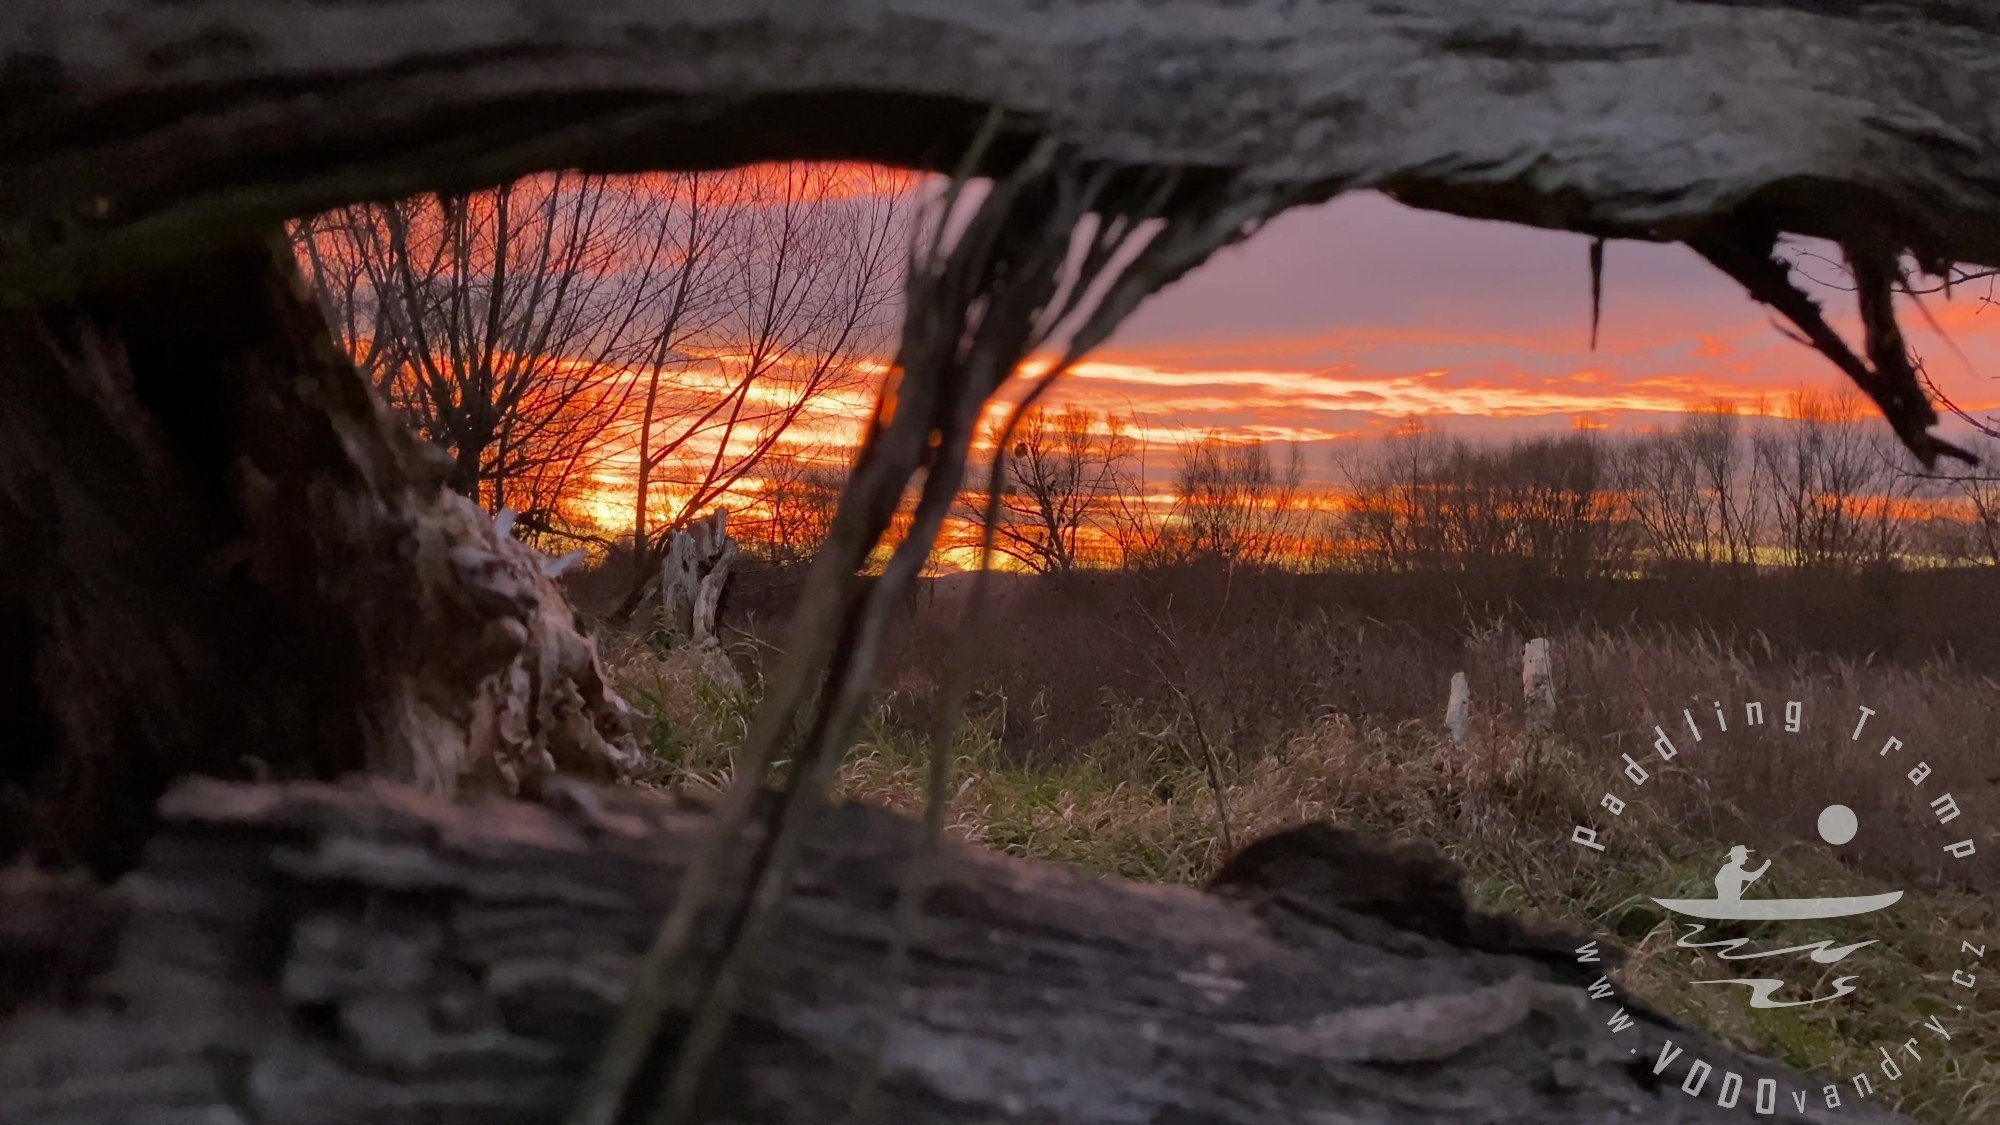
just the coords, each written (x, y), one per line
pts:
(1339, 322)
(1343, 319)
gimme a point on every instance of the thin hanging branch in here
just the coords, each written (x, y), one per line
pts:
(1596, 288)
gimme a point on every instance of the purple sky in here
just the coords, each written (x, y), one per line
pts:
(1344, 318)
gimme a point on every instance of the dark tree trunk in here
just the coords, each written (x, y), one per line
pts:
(307, 956)
(222, 556)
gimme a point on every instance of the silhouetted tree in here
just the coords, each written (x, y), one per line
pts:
(1542, 505)
(1235, 503)
(494, 322)
(1692, 492)
(791, 509)
(1837, 500)
(566, 329)
(1064, 474)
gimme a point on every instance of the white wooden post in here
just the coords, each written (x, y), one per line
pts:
(1458, 709)
(1538, 684)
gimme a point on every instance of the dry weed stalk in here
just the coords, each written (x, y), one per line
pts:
(996, 280)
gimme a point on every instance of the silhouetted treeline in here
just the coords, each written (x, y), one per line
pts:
(1821, 486)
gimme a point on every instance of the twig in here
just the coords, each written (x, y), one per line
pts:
(918, 873)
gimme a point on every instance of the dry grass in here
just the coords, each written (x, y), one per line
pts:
(1325, 717)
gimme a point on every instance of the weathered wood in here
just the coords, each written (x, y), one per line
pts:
(1458, 708)
(137, 133)
(136, 138)
(307, 954)
(1538, 685)
(693, 576)
(1874, 121)
(223, 556)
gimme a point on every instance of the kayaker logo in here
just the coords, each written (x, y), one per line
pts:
(1771, 951)
(1836, 825)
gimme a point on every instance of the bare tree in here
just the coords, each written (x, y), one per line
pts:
(791, 508)
(1982, 495)
(1236, 503)
(1962, 520)
(1837, 499)
(489, 321)
(1391, 515)
(802, 264)
(1566, 521)
(562, 329)
(1692, 492)
(1064, 475)
(1542, 504)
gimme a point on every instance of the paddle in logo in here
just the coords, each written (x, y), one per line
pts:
(1837, 826)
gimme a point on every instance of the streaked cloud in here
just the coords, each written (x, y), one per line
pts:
(1342, 319)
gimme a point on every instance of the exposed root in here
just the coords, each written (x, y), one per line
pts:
(1888, 376)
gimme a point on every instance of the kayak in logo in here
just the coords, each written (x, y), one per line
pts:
(1730, 905)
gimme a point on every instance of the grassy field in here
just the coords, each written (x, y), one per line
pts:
(1316, 714)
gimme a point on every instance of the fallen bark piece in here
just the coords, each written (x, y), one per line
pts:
(308, 954)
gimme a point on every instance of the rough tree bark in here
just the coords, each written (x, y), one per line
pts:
(693, 576)
(1646, 118)
(137, 133)
(223, 557)
(308, 956)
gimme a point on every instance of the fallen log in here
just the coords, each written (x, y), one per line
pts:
(1856, 120)
(136, 134)
(304, 954)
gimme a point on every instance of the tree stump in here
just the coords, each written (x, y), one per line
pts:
(224, 556)
(692, 580)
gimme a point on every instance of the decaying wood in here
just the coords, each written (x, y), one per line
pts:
(1864, 120)
(306, 954)
(1875, 123)
(693, 577)
(223, 557)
